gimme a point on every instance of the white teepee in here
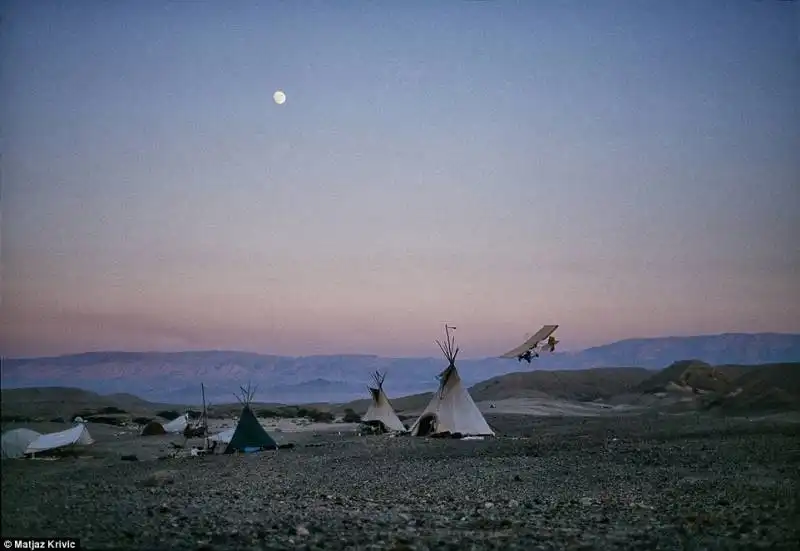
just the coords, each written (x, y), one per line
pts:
(381, 409)
(451, 409)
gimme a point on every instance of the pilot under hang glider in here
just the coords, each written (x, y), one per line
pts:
(542, 341)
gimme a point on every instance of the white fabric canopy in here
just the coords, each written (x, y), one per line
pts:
(223, 437)
(76, 436)
(16, 441)
(177, 425)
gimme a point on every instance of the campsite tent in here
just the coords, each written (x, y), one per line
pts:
(223, 437)
(153, 428)
(177, 425)
(16, 441)
(451, 410)
(249, 435)
(381, 411)
(76, 436)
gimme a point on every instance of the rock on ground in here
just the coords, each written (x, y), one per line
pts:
(635, 482)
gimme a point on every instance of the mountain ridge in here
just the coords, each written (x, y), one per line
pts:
(175, 377)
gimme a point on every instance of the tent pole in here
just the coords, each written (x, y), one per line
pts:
(204, 420)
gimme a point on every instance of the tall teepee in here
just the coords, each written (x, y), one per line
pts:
(249, 434)
(381, 411)
(451, 410)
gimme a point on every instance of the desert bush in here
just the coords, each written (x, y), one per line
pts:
(110, 410)
(267, 413)
(169, 414)
(57, 420)
(350, 416)
(142, 420)
(288, 412)
(321, 416)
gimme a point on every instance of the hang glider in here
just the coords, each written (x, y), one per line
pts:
(541, 341)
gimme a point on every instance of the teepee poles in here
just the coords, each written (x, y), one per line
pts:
(245, 397)
(449, 348)
(378, 379)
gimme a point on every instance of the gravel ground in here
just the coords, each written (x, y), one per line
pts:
(631, 482)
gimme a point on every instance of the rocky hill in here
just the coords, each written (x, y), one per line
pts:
(731, 388)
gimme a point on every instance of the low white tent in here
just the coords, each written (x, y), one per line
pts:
(177, 425)
(76, 436)
(381, 410)
(223, 437)
(451, 409)
(16, 441)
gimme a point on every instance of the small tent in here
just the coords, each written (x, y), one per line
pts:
(381, 412)
(16, 441)
(223, 437)
(249, 435)
(76, 436)
(153, 428)
(451, 410)
(177, 425)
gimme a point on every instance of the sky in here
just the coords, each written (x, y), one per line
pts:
(620, 168)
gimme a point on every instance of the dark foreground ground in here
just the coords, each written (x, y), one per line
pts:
(639, 482)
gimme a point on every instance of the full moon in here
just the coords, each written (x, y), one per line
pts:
(279, 97)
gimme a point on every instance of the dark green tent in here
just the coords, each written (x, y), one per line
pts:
(250, 435)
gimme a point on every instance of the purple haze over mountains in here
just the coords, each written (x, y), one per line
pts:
(176, 377)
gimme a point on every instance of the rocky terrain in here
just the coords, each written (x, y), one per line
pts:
(649, 481)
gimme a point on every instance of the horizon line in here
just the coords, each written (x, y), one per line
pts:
(366, 354)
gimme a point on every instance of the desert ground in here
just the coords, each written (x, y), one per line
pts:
(598, 479)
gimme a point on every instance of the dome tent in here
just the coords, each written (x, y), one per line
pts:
(153, 428)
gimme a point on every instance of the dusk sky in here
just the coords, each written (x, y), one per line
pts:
(621, 168)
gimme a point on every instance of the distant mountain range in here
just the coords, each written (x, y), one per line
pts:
(176, 377)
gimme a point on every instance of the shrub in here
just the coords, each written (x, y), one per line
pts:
(267, 413)
(110, 410)
(142, 420)
(350, 416)
(321, 416)
(288, 412)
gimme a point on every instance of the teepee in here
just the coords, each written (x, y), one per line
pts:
(381, 411)
(451, 410)
(249, 435)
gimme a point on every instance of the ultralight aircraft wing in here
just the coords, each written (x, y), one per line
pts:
(531, 343)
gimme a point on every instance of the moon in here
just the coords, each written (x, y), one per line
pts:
(279, 97)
